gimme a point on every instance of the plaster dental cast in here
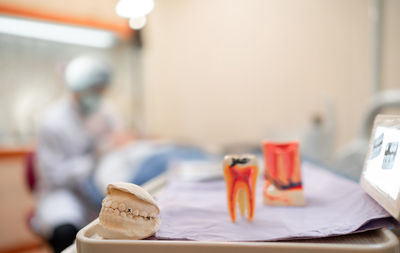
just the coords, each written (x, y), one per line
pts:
(128, 212)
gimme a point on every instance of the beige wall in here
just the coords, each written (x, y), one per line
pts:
(391, 45)
(224, 71)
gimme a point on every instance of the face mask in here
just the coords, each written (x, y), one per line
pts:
(89, 103)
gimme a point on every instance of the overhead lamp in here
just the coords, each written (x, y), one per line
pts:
(137, 22)
(134, 8)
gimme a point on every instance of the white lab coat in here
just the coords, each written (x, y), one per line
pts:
(68, 148)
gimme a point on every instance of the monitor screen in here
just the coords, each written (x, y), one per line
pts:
(381, 173)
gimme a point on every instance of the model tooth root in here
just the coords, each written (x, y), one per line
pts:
(232, 204)
(250, 202)
(242, 199)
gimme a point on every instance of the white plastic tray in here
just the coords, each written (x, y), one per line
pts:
(87, 241)
(374, 241)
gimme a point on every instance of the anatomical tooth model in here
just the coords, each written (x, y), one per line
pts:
(282, 178)
(128, 212)
(241, 173)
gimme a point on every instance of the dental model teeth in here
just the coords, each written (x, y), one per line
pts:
(124, 213)
(241, 173)
(122, 207)
(107, 203)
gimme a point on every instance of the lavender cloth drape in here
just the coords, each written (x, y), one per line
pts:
(335, 206)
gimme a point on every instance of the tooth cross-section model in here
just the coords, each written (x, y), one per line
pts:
(282, 178)
(241, 173)
(128, 212)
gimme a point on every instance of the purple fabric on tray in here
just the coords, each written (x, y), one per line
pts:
(335, 206)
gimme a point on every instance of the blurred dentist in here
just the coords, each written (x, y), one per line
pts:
(74, 134)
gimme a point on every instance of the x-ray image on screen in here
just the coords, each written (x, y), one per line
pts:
(377, 146)
(390, 155)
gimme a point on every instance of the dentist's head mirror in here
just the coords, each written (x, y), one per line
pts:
(381, 173)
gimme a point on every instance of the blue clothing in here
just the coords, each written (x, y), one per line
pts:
(153, 165)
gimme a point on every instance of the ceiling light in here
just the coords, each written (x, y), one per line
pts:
(137, 23)
(134, 8)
